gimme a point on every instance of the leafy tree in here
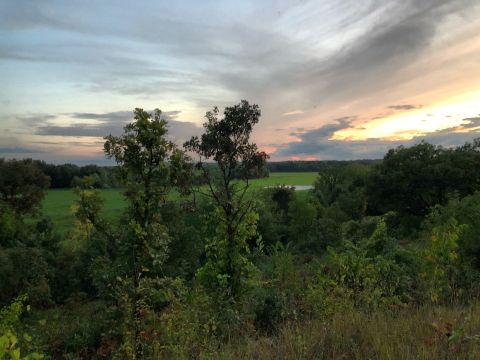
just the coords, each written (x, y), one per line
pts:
(374, 269)
(149, 167)
(456, 226)
(273, 208)
(22, 185)
(27, 249)
(25, 270)
(327, 187)
(227, 142)
(442, 261)
(339, 196)
(412, 180)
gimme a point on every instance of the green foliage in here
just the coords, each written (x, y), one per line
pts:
(237, 270)
(24, 270)
(274, 213)
(76, 329)
(338, 196)
(228, 267)
(342, 188)
(301, 219)
(10, 340)
(281, 290)
(190, 328)
(327, 188)
(442, 262)
(465, 211)
(372, 269)
(27, 258)
(132, 262)
(428, 174)
(287, 217)
(226, 141)
(22, 186)
(89, 201)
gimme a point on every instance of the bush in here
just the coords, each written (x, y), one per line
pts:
(12, 345)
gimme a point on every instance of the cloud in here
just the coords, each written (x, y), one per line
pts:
(228, 55)
(33, 120)
(19, 150)
(362, 56)
(318, 142)
(472, 122)
(294, 112)
(404, 107)
(109, 123)
(392, 37)
(81, 140)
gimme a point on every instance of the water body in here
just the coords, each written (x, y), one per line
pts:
(303, 187)
(296, 187)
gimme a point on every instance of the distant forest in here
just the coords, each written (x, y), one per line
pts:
(313, 166)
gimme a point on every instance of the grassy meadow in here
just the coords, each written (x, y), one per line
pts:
(57, 203)
(409, 333)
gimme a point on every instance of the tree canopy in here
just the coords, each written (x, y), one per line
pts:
(22, 185)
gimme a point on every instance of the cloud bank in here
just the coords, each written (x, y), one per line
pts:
(318, 142)
(79, 66)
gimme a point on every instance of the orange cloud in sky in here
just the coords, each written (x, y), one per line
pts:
(405, 125)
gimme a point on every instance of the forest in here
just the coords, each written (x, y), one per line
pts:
(64, 176)
(379, 260)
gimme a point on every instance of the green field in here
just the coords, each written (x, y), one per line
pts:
(57, 204)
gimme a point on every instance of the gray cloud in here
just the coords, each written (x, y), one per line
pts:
(317, 142)
(110, 123)
(121, 116)
(472, 123)
(255, 51)
(74, 135)
(32, 120)
(404, 33)
(404, 107)
(19, 150)
(230, 58)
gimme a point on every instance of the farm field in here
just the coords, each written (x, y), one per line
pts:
(58, 202)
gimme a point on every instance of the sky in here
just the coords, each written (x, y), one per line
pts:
(334, 79)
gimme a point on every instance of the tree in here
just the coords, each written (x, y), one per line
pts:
(412, 180)
(26, 248)
(22, 186)
(150, 166)
(443, 268)
(227, 142)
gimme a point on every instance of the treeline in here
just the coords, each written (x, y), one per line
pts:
(70, 175)
(313, 166)
(378, 260)
(64, 176)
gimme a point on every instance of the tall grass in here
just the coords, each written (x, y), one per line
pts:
(421, 333)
